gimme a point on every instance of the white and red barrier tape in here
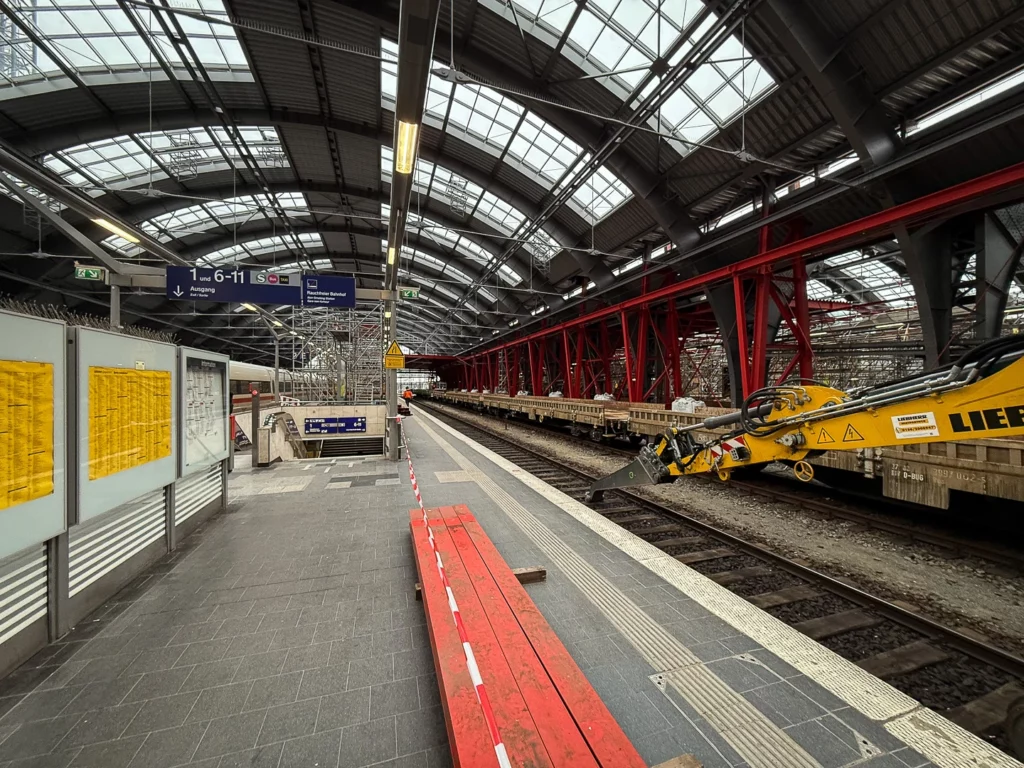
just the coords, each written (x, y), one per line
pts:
(471, 665)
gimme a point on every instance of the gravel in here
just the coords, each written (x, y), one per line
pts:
(864, 643)
(965, 592)
(760, 585)
(815, 608)
(951, 683)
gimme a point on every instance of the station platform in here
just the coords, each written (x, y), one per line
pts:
(285, 632)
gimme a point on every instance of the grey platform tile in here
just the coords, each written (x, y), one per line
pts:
(195, 633)
(109, 754)
(419, 760)
(823, 745)
(262, 757)
(850, 725)
(743, 673)
(202, 652)
(288, 619)
(156, 684)
(682, 739)
(310, 657)
(231, 734)
(157, 714)
(369, 743)
(337, 629)
(413, 663)
(155, 659)
(109, 693)
(40, 706)
(173, 746)
(421, 729)
(220, 702)
(289, 721)
(243, 625)
(260, 665)
(37, 738)
(106, 668)
(783, 704)
(372, 671)
(394, 698)
(324, 681)
(342, 709)
(344, 651)
(320, 750)
(392, 641)
(52, 760)
(211, 675)
(293, 638)
(100, 725)
(271, 691)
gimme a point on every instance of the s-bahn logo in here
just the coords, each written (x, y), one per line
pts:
(988, 418)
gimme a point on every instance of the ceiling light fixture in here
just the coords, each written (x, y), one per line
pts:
(111, 227)
(405, 147)
(250, 307)
(278, 323)
(391, 255)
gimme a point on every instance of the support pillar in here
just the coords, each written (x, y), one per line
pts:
(995, 267)
(929, 262)
(723, 304)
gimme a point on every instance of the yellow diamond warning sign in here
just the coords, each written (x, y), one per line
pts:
(394, 358)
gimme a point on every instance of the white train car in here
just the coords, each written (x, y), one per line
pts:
(298, 384)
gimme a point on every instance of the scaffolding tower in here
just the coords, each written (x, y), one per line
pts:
(360, 336)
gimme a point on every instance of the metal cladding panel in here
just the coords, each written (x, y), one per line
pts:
(360, 160)
(37, 111)
(627, 223)
(309, 152)
(193, 493)
(22, 591)
(105, 542)
(352, 82)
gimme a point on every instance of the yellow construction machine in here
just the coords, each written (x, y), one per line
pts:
(981, 395)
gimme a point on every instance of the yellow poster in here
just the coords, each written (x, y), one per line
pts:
(26, 431)
(129, 419)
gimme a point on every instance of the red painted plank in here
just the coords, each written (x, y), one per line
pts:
(468, 738)
(559, 732)
(595, 722)
(516, 724)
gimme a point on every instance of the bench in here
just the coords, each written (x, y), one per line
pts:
(546, 711)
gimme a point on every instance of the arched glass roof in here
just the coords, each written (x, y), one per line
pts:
(98, 37)
(239, 253)
(445, 268)
(625, 37)
(456, 241)
(441, 184)
(208, 215)
(134, 159)
(506, 129)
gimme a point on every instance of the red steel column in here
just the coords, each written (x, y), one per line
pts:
(759, 352)
(568, 385)
(675, 378)
(803, 318)
(741, 332)
(627, 354)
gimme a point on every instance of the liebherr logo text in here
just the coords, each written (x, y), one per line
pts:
(988, 418)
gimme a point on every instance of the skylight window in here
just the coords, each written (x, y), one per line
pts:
(489, 119)
(206, 216)
(128, 161)
(877, 278)
(240, 252)
(98, 36)
(439, 183)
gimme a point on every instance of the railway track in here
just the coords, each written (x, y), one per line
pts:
(971, 682)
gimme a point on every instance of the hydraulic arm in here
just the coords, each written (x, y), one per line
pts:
(979, 396)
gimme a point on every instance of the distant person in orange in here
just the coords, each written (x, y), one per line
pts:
(408, 396)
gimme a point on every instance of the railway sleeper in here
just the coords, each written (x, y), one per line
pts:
(624, 510)
(654, 529)
(728, 578)
(785, 596)
(679, 541)
(906, 658)
(988, 713)
(705, 554)
(837, 623)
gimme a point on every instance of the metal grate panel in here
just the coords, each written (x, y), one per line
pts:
(97, 548)
(195, 492)
(22, 592)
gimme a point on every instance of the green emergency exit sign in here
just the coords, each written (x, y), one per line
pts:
(408, 293)
(90, 273)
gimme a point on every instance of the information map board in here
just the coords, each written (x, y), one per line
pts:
(129, 419)
(335, 425)
(205, 409)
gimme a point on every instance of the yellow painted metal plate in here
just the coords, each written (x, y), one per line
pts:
(394, 358)
(129, 419)
(26, 431)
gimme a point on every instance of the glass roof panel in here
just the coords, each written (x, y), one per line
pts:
(134, 159)
(97, 36)
(240, 252)
(205, 216)
(491, 120)
(875, 276)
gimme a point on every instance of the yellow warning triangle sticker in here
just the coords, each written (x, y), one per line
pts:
(825, 437)
(394, 350)
(852, 435)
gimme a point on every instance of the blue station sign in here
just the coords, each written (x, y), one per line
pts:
(328, 291)
(253, 287)
(335, 425)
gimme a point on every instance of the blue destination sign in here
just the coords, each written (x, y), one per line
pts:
(232, 285)
(335, 425)
(250, 287)
(328, 291)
